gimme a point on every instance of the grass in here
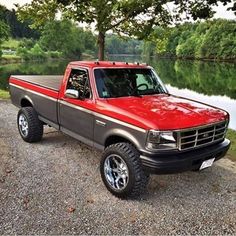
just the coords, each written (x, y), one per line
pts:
(10, 57)
(4, 94)
(231, 135)
(11, 43)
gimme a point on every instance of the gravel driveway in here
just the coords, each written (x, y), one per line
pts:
(54, 187)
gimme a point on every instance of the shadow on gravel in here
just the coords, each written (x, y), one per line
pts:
(191, 184)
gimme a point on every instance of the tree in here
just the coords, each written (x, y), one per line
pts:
(4, 33)
(17, 29)
(61, 36)
(131, 17)
(124, 45)
(65, 37)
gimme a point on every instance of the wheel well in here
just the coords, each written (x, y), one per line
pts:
(25, 103)
(115, 139)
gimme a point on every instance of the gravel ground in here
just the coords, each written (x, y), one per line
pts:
(54, 187)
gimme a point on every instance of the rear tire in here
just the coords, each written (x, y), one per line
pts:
(122, 172)
(29, 125)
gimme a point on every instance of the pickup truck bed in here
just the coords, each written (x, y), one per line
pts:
(43, 93)
(47, 81)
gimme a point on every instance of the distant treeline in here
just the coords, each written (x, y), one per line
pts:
(213, 39)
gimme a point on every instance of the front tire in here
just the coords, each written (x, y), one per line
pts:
(29, 125)
(122, 172)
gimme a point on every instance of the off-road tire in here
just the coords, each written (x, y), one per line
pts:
(35, 126)
(137, 178)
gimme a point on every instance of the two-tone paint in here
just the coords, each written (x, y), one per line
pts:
(98, 121)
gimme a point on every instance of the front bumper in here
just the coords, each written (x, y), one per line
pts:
(175, 162)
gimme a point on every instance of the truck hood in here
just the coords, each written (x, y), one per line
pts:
(162, 112)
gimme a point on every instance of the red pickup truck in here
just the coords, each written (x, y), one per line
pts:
(126, 111)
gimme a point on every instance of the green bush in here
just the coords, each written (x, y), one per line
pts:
(37, 53)
(34, 53)
(54, 54)
(27, 43)
(23, 53)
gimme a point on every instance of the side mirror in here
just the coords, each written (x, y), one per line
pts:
(72, 93)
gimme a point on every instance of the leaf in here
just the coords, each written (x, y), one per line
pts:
(71, 209)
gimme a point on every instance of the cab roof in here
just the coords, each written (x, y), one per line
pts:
(108, 64)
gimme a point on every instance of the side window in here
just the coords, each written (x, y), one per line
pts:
(78, 80)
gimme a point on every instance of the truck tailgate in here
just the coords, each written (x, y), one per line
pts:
(47, 81)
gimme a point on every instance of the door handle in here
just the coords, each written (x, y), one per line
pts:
(101, 123)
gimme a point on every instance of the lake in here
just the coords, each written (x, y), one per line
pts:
(209, 82)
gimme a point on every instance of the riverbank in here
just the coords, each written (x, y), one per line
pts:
(12, 59)
(188, 58)
(4, 94)
(231, 135)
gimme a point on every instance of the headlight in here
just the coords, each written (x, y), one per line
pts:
(161, 140)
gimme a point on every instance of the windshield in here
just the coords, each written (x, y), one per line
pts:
(123, 82)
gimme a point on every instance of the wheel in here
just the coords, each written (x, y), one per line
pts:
(122, 172)
(29, 125)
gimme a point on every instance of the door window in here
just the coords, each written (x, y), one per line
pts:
(78, 80)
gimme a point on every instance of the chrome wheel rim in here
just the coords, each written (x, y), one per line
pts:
(23, 125)
(116, 172)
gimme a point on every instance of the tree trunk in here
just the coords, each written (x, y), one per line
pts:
(101, 46)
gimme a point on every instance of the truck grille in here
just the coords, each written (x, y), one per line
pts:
(200, 136)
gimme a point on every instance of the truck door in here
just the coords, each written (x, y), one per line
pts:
(75, 115)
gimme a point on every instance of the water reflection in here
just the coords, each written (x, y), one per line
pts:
(33, 68)
(209, 78)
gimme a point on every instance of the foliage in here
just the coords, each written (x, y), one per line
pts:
(35, 53)
(17, 29)
(214, 39)
(58, 39)
(10, 57)
(231, 135)
(10, 44)
(4, 94)
(27, 43)
(118, 45)
(148, 49)
(67, 38)
(130, 17)
(4, 33)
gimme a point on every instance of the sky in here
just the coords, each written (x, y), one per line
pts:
(220, 10)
